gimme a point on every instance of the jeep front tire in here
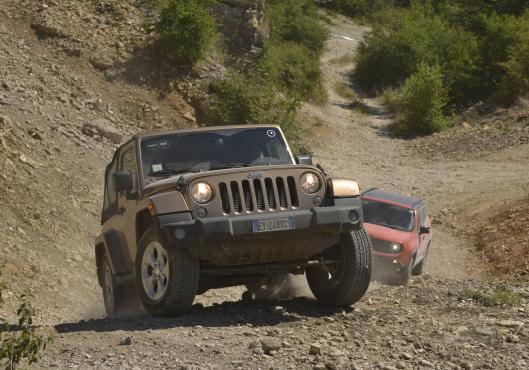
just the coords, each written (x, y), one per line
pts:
(346, 281)
(166, 279)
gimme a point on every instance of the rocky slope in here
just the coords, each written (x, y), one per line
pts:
(78, 77)
(432, 324)
(60, 119)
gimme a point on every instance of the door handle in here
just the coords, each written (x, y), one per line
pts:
(121, 210)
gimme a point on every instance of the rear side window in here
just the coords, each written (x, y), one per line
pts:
(423, 216)
(128, 163)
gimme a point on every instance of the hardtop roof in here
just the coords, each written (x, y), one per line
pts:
(403, 200)
(199, 129)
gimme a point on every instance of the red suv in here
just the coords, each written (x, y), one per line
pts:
(400, 229)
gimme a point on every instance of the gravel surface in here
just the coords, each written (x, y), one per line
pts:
(67, 96)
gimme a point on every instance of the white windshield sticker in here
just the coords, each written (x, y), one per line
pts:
(156, 167)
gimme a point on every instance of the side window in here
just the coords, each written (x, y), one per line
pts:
(128, 162)
(110, 191)
(111, 187)
(423, 216)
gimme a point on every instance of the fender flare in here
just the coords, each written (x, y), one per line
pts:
(108, 244)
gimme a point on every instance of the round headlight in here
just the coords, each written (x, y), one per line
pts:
(309, 182)
(201, 192)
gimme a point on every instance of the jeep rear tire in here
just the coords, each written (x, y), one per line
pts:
(344, 283)
(166, 279)
(112, 292)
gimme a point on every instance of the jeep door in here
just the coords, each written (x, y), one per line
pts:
(128, 200)
(119, 217)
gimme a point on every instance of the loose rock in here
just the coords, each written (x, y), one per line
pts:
(315, 349)
(126, 341)
(270, 344)
(101, 62)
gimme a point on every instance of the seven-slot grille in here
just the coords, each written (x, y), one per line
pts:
(258, 195)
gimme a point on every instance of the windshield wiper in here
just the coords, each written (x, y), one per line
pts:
(164, 173)
(229, 165)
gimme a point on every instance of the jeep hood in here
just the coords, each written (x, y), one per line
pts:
(185, 179)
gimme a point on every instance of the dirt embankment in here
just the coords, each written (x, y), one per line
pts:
(62, 113)
(502, 239)
(57, 81)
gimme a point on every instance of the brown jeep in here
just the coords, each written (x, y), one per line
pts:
(190, 210)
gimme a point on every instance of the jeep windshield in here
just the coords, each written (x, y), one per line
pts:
(388, 215)
(171, 154)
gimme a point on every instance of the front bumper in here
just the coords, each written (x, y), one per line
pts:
(182, 230)
(387, 264)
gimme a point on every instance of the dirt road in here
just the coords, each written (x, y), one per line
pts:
(47, 95)
(356, 142)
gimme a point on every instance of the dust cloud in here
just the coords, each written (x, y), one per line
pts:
(294, 286)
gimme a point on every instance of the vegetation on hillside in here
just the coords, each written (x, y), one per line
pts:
(422, 102)
(267, 88)
(23, 344)
(291, 57)
(242, 99)
(186, 29)
(287, 72)
(270, 89)
(364, 8)
(481, 49)
(500, 296)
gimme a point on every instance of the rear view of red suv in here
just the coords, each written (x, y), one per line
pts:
(400, 229)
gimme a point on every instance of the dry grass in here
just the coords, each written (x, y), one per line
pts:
(345, 91)
(498, 297)
(344, 60)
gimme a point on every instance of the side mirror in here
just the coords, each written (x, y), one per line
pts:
(424, 230)
(304, 159)
(123, 181)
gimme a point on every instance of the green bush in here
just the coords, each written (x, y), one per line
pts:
(495, 36)
(238, 99)
(467, 9)
(186, 29)
(422, 103)
(291, 58)
(481, 47)
(364, 7)
(296, 21)
(24, 344)
(294, 69)
(383, 60)
(388, 56)
(515, 82)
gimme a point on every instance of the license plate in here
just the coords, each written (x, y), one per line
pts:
(276, 224)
